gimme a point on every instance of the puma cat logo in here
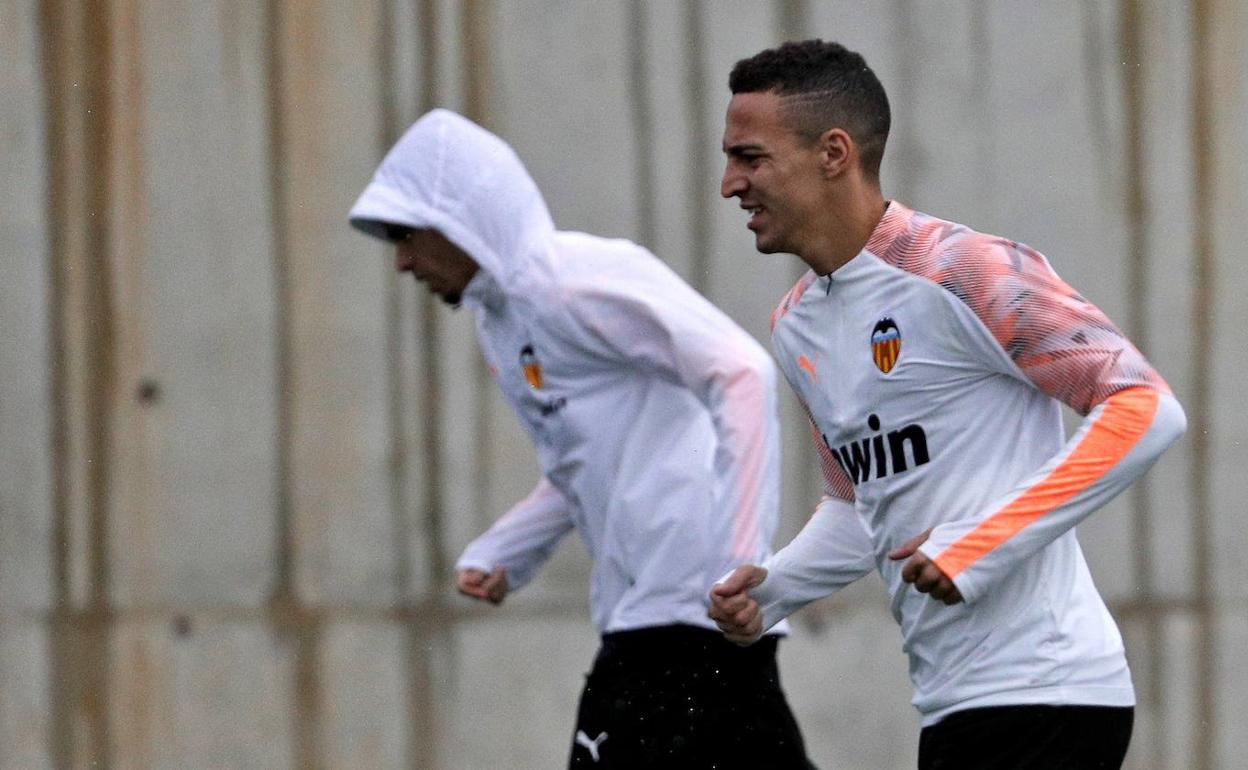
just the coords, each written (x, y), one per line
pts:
(583, 740)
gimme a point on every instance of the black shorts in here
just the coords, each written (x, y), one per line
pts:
(1025, 737)
(685, 697)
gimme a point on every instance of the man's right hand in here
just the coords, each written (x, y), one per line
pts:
(732, 609)
(486, 586)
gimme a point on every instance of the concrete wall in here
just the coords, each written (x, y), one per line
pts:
(238, 455)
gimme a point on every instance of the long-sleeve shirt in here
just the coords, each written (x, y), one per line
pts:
(933, 366)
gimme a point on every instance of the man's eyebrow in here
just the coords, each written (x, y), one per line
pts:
(741, 149)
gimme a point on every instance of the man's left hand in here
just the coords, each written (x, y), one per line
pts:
(923, 572)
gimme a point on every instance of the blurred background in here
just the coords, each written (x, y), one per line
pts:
(238, 456)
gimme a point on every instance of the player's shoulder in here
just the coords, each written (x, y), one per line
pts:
(594, 265)
(929, 246)
(970, 264)
(583, 256)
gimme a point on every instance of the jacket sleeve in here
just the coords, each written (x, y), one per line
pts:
(832, 550)
(523, 538)
(658, 324)
(1034, 327)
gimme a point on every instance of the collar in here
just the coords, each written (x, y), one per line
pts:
(482, 292)
(896, 220)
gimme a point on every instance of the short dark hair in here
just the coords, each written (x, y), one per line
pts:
(829, 86)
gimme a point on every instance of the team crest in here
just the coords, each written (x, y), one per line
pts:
(531, 366)
(885, 344)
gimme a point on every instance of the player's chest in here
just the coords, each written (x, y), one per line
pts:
(551, 386)
(865, 362)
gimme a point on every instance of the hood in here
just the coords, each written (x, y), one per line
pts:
(449, 174)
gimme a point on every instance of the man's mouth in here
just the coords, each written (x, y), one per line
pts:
(755, 214)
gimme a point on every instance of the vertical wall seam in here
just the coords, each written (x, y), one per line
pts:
(101, 353)
(101, 367)
(430, 628)
(793, 20)
(981, 103)
(287, 614)
(63, 685)
(642, 118)
(907, 149)
(1200, 403)
(477, 84)
(283, 588)
(1139, 259)
(476, 61)
(431, 344)
(416, 740)
(1097, 93)
(397, 466)
(698, 169)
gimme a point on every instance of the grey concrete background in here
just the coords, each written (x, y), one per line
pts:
(237, 455)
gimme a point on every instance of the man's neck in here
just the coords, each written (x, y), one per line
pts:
(845, 232)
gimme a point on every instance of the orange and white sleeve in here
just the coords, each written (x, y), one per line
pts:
(832, 550)
(1047, 334)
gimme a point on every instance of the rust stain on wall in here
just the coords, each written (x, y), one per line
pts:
(101, 373)
(76, 60)
(57, 77)
(291, 622)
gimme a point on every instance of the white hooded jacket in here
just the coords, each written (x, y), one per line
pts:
(653, 414)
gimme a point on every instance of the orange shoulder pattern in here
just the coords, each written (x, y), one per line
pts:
(1063, 343)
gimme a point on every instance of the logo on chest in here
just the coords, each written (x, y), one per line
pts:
(885, 344)
(531, 367)
(882, 454)
(808, 366)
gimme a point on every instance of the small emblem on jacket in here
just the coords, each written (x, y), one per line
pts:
(885, 344)
(531, 366)
(592, 746)
(807, 366)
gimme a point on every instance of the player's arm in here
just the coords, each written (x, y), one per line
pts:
(1057, 341)
(832, 551)
(657, 324)
(508, 555)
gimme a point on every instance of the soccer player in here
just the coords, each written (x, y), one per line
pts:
(931, 360)
(653, 416)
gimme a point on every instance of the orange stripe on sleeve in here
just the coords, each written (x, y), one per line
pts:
(1127, 416)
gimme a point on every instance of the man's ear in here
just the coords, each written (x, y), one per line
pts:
(836, 152)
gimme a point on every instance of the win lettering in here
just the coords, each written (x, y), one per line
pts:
(882, 454)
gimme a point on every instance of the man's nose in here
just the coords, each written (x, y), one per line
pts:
(731, 184)
(403, 262)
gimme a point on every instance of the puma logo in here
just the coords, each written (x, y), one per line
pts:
(592, 746)
(807, 366)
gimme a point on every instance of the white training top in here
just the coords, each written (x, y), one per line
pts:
(653, 414)
(931, 366)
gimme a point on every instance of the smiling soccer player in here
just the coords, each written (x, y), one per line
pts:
(932, 361)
